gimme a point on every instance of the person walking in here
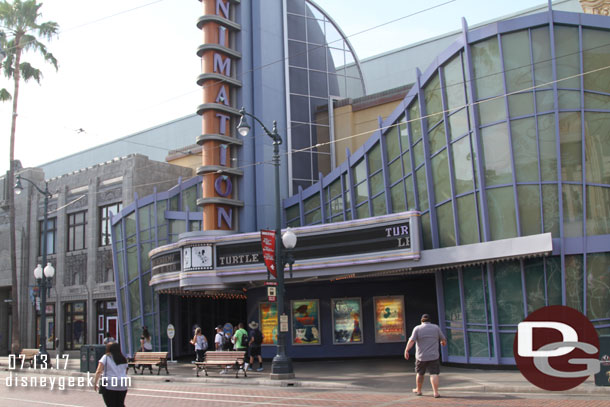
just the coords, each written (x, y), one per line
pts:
(112, 369)
(145, 346)
(219, 339)
(256, 340)
(201, 344)
(240, 339)
(426, 338)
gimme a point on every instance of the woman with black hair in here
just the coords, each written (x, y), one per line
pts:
(112, 369)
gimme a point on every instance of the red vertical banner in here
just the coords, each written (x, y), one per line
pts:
(268, 243)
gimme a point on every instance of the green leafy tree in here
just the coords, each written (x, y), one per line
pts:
(21, 31)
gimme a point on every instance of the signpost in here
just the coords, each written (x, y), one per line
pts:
(271, 290)
(171, 332)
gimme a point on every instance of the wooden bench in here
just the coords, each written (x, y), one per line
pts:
(223, 359)
(29, 355)
(149, 359)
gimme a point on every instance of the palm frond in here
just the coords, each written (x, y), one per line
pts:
(28, 72)
(5, 95)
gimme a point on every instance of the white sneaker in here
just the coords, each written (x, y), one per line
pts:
(223, 371)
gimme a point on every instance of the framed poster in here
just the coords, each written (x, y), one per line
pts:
(389, 319)
(268, 322)
(305, 322)
(347, 321)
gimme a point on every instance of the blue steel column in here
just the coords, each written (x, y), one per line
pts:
(117, 286)
(440, 303)
(383, 150)
(139, 249)
(464, 316)
(584, 173)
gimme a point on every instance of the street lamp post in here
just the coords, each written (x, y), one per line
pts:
(281, 366)
(43, 277)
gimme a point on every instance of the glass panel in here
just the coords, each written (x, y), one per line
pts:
(571, 146)
(363, 211)
(446, 229)
(336, 206)
(529, 209)
(410, 193)
(478, 344)
(362, 193)
(451, 295)
(454, 83)
(467, 219)
(374, 157)
(572, 210)
(506, 344)
(418, 153)
(598, 281)
(433, 99)
(521, 104)
(379, 207)
(189, 199)
(144, 259)
(462, 166)
(440, 175)
(406, 162)
(492, 111)
(487, 68)
(120, 270)
(541, 51)
(399, 204)
(134, 298)
(376, 182)
(474, 295)
(395, 171)
(292, 212)
(455, 342)
(404, 133)
(525, 149)
(501, 206)
(422, 189)
(545, 101)
(596, 55)
(426, 231)
(313, 217)
(534, 284)
(132, 262)
(596, 101)
(598, 210)
(569, 100)
(415, 124)
(548, 151)
(359, 172)
(509, 293)
(550, 209)
(574, 282)
(437, 138)
(144, 217)
(458, 124)
(597, 147)
(311, 203)
(392, 143)
(516, 50)
(147, 294)
(496, 150)
(553, 280)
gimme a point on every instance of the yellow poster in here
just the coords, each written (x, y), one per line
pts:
(269, 322)
(390, 319)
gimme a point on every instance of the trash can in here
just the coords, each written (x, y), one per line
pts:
(95, 354)
(603, 377)
(84, 358)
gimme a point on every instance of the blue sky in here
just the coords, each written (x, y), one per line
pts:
(127, 65)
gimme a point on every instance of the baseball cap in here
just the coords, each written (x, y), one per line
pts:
(219, 327)
(425, 317)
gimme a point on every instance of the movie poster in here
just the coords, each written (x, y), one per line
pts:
(305, 322)
(268, 325)
(347, 321)
(390, 319)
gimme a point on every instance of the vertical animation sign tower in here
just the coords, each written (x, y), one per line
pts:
(218, 141)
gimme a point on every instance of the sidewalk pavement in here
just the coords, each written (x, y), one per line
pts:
(370, 374)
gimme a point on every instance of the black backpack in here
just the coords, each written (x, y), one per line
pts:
(244, 340)
(225, 344)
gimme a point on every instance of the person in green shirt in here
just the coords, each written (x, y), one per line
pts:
(240, 339)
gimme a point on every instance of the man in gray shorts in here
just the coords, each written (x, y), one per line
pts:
(426, 337)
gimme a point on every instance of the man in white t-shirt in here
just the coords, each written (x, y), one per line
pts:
(219, 338)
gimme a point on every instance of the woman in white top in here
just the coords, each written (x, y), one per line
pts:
(201, 344)
(112, 368)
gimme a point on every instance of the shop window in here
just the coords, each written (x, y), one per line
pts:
(51, 235)
(509, 293)
(572, 210)
(107, 320)
(529, 209)
(535, 284)
(496, 150)
(77, 228)
(598, 281)
(453, 313)
(50, 326)
(570, 134)
(502, 217)
(574, 282)
(525, 150)
(75, 325)
(553, 280)
(598, 210)
(597, 147)
(105, 235)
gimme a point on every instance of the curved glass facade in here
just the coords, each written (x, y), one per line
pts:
(505, 136)
(150, 222)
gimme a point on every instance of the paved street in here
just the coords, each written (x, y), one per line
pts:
(150, 394)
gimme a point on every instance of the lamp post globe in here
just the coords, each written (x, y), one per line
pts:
(289, 238)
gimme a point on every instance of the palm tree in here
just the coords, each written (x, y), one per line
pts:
(20, 32)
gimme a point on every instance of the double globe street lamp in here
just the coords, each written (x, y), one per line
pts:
(43, 277)
(281, 366)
